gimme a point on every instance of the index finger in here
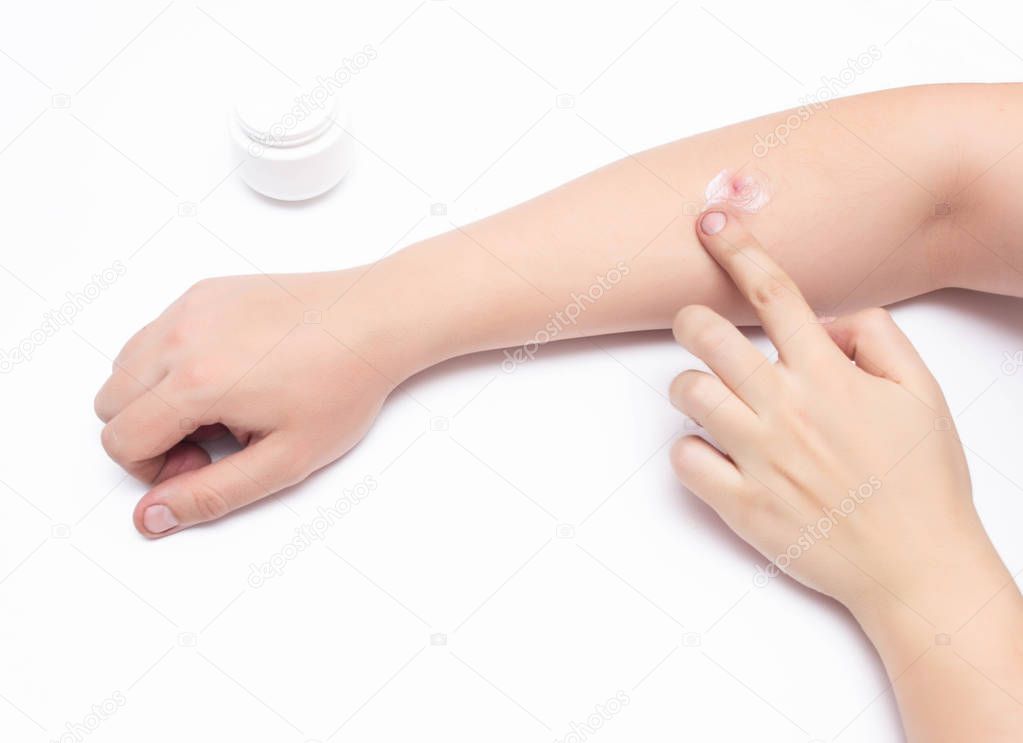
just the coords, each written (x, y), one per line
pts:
(788, 320)
(138, 437)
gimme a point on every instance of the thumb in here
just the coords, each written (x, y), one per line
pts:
(208, 493)
(872, 340)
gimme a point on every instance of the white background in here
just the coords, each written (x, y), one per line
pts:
(651, 597)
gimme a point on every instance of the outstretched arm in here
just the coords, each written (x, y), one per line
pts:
(892, 194)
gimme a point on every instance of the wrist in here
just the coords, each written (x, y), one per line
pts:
(377, 312)
(450, 295)
(420, 307)
(966, 591)
(427, 303)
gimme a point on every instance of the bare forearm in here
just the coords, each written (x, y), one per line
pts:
(891, 194)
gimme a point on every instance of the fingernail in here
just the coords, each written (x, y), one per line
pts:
(713, 222)
(158, 519)
(826, 319)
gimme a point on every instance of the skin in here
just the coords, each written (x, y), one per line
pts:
(887, 200)
(801, 437)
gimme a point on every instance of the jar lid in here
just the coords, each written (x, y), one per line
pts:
(281, 114)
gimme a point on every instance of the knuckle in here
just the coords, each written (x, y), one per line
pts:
(768, 292)
(194, 293)
(209, 503)
(741, 250)
(134, 344)
(744, 241)
(875, 319)
(177, 336)
(200, 287)
(193, 375)
(709, 338)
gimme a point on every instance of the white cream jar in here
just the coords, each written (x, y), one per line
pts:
(291, 147)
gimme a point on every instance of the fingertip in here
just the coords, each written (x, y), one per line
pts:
(156, 514)
(687, 317)
(154, 519)
(713, 222)
(100, 407)
(158, 518)
(690, 454)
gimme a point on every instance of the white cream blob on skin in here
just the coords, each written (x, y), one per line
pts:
(748, 192)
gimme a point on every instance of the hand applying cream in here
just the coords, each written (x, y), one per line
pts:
(839, 461)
